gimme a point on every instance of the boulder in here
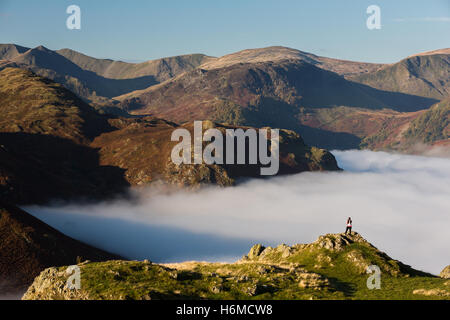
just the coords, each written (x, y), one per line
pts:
(445, 273)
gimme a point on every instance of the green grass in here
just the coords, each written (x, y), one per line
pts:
(314, 271)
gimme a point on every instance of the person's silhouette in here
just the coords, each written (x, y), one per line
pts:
(349, 226)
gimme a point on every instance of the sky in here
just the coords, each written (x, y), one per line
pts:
(140, 30)
(399, 203)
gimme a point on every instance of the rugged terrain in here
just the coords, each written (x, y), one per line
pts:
(333, 267)
(28, 246)
(95, 80)
(331, 103)
(55, 146)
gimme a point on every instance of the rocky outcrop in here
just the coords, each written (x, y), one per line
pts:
(333, 267)
(445, 273)
(432, 292)
(142, 147)
(354, 250)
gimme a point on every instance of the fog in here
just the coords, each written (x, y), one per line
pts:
(400, 203)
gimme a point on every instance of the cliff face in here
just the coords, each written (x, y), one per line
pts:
(333, 267)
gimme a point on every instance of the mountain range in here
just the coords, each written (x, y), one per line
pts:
(331, 103)
(75, 127)
(53, 145)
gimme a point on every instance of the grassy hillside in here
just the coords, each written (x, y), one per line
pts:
(423, 75)
(333, 267)
(415, 132)
(432, 125)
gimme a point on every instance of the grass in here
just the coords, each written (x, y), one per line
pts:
(300, 272)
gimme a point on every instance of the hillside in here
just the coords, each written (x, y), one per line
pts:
(277, 53)
(273, 86)
(55, 146)
(276, 94)
(34, 105)
(426, 75)
(432, 125)
(93, 79)
(45, 132)
(333, 267)
(421, 131)
(148, 158)
(160, 69)
(28, 246)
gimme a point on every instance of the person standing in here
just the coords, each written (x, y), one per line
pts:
(349, 226)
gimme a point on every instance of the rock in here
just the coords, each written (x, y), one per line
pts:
(309, 280)
(358, 260)
(284, 250)
(432, 292)
(445, 273)
(217, 289)
(255, 251)
(257, 289)
(51, 285)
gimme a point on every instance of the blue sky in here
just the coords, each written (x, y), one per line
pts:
(142, 30)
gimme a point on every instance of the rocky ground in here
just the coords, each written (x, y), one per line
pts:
(333, 267)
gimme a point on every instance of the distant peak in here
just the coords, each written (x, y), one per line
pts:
(41, 48)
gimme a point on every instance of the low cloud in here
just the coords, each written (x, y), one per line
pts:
(400, 203)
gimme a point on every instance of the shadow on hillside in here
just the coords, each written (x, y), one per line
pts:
(46, 63)
(347, 288)
(322, 88)
(42, 167)
(278, 114)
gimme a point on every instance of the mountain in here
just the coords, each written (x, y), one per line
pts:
(160, 69)
(333, 267)
(28, 246)
(10, 51)
(278, 53)
(426, 75)
(96, 80)
(45, 132)
(148, 157)
(331, 103)
(416, 132)
(276, 94)
(55, 146)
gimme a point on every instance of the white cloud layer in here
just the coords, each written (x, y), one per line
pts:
(399, 203)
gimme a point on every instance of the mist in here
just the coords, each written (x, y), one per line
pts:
(399, 203)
